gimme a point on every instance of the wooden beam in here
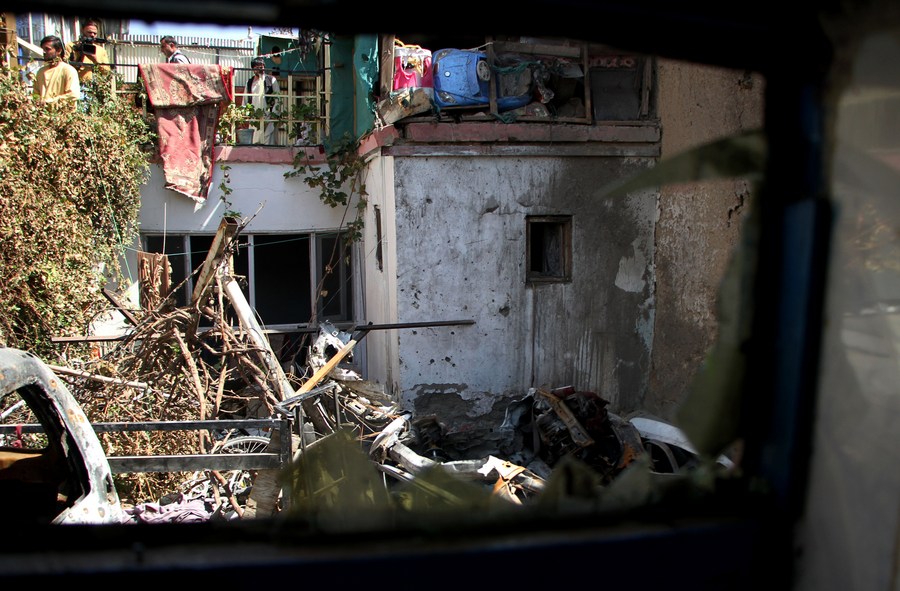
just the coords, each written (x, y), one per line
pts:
(114, 300)
(326, 369)
(228, 228)
(247, 318)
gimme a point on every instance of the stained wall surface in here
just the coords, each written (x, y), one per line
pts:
(699, 222)
(461, 246)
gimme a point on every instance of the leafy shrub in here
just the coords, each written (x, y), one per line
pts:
(69, 205)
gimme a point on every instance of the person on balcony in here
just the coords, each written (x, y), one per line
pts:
(262, 89)
(88, 53)
(169, 48)
(56, 81)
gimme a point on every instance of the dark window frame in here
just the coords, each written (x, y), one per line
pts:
(548, 248)
(180, 247)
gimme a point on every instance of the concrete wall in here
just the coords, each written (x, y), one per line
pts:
(279, 204)
(699, 222)
(259, 191)
(380, 293)
(460, 247)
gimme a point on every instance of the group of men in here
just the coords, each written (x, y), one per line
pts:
(67, 68)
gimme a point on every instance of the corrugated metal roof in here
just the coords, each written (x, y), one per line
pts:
(189, 41)
(127, 51)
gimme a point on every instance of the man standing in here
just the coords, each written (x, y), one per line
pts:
(88, 53)
(262, 87)
(169, 48)
(56, 81)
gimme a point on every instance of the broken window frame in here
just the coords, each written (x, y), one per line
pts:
(185, 257)
(555, 259)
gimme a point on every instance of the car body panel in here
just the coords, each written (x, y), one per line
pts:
(81, 481)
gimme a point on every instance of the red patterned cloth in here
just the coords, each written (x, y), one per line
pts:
(187, 100)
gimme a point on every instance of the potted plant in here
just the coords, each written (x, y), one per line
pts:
(237, 123)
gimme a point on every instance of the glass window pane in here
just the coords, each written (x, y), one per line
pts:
(335, 293)
(281, 276)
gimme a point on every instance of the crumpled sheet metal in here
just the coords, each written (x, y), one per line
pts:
(510, 481)
(327, 344)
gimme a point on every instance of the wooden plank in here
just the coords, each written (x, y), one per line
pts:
(120, 306)
(492, 83)
(386, 64)
(326, 369)
(228, 228)
(249, 324)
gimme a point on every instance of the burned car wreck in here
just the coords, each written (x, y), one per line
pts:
(57, 473)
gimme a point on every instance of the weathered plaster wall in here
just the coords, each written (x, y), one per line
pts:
(460, 241)
(259, 190)
(699, 222)
(380, 293)
(280, 204)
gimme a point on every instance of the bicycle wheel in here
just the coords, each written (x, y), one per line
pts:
(246, 444)
(237, 482)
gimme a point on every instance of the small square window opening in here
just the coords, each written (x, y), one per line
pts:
(548, 248)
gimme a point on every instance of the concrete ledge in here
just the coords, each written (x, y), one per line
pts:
(269, 154)
(571, 149)
(430, 132)
(385, 136)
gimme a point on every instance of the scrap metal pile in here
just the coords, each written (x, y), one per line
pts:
(196, 363)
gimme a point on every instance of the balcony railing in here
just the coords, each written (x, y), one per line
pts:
(294, 116)
(297, 117)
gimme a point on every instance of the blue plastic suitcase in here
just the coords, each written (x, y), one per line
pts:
(461, 78)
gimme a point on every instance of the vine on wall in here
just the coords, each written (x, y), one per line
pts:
(340, 180)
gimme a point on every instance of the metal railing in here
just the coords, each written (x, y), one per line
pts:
(296, 116)
(299, 117)
(270, 460)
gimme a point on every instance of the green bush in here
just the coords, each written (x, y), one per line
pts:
(69, 205)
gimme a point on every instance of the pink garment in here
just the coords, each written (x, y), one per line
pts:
(187, 100)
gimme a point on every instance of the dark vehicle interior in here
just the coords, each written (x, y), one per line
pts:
(751, 533)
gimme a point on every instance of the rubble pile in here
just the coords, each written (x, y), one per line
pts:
(350, 443)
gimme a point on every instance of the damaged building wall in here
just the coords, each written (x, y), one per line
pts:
(260, 193)
(699, 222)
(461, 253)
(380, 267)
